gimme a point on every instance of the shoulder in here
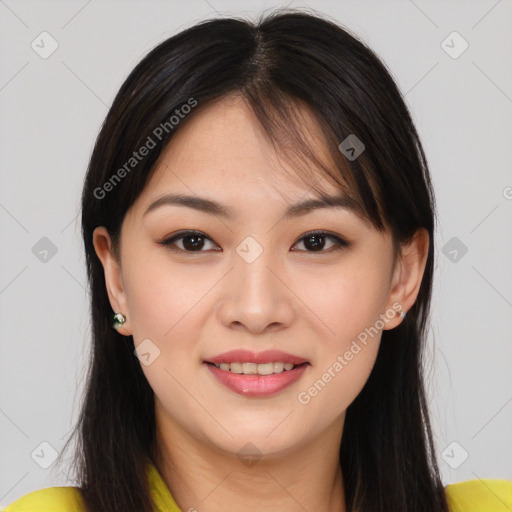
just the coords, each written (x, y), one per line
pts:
(482, 495)
(51, 499)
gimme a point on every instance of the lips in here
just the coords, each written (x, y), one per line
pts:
(256, 386)
(246, 356)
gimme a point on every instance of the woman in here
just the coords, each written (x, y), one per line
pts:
(258, 338)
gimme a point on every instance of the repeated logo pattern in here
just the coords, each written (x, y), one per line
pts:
(41, 248)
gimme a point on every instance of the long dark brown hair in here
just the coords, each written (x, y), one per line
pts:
(283, 60)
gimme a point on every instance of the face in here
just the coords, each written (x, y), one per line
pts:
(256, 280)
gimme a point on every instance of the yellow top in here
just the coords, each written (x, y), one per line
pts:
(69, 499)
(485, 495)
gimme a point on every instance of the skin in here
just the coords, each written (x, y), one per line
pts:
(193, 306)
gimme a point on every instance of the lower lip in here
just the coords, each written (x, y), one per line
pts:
(257, 385)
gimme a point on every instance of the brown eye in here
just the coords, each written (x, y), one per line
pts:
(316, 242)
(191, 241)
(195, 241)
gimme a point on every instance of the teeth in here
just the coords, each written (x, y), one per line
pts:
(278, 367)
(255, 369)
(265, 368)
(249, 368)
(235, 367)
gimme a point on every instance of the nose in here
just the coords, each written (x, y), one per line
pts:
(255, 296)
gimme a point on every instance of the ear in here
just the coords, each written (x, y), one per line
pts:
(113, 276)
(407, 275)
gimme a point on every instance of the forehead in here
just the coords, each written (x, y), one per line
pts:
(222, 148)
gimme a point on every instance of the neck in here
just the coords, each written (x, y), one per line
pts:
(201, 477)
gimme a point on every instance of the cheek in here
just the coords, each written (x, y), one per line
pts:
(337, 381)
(345, 359)
(161, 300)
(347, 298)
(349, 303)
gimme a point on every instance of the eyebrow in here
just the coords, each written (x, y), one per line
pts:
(212, 207)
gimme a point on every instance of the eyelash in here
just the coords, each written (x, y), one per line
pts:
(340, 243)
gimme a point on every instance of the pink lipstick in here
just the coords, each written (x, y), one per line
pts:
(259, 374)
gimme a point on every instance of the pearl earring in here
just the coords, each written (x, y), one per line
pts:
(118, 321)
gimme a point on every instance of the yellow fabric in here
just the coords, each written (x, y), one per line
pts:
(485, 495)
(68, 499)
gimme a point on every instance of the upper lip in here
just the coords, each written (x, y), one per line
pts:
(246, 356)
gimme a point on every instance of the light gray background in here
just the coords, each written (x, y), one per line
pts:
(52, 110)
